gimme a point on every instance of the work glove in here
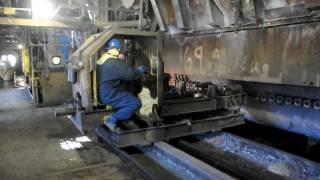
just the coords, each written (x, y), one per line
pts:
(122, 57)
(143, 69)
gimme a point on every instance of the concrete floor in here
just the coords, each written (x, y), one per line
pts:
(33, 145)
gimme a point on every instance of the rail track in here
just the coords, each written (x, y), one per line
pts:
(219, 155)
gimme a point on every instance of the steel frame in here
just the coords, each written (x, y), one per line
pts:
(152, 134)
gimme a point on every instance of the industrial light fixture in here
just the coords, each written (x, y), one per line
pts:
(56, 60)
(20, 46)
(12, 59)
(42, 9)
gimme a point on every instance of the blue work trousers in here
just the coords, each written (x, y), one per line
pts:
(124, 103)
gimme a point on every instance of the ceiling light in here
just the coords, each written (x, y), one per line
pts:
(42, 9)
(20, 46)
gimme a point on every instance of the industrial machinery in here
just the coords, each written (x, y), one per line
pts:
(172, 105)
(270, 47)
(191, 108)
(44, 60)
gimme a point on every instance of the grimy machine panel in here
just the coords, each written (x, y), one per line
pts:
(270, 47)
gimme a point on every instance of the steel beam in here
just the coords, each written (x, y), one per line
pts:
(182, 164)
(66, 24)
(32, 22)
(152, 134)
(158, 15)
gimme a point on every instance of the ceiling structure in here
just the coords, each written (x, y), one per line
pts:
(11, 37)
(17, 15)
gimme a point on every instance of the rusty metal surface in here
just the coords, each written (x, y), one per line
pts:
(312, 3)
(280, 55)
(204, 15)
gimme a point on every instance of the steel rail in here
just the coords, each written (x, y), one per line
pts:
(163, 161)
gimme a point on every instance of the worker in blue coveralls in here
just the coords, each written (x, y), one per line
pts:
(111, 73)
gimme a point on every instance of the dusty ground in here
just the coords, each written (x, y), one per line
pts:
(36, 145)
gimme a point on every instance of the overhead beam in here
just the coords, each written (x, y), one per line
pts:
(183, 17)
(79, 25)
(31, 22)
(66, 24)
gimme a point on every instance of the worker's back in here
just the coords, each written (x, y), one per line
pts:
(110, 74)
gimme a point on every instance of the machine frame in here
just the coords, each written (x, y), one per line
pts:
(81, 72)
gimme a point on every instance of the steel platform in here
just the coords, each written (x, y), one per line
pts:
(147, 135)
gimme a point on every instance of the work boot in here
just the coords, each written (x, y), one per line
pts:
(111, 123)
